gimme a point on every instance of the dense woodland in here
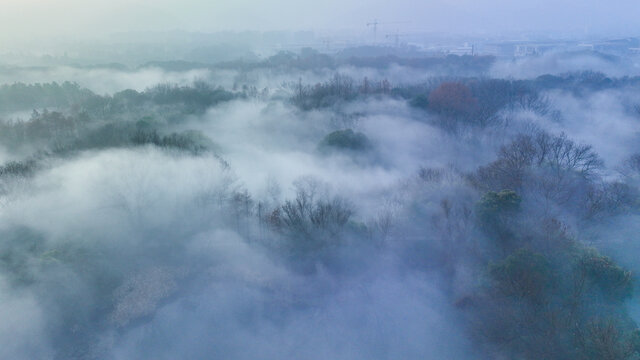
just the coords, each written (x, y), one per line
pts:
(337, 212)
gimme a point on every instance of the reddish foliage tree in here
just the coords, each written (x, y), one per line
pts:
(452, 98)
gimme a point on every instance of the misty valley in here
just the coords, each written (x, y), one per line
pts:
(321, 205)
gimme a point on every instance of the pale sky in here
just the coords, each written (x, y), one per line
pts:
(78, 18)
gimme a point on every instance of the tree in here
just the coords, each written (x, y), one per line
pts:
(496, 212)
(552, 168)
(453, 99)
(311, 221)
(345, 140)
(565, 305)
(523, 275)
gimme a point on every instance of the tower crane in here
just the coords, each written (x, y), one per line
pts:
(375, 24)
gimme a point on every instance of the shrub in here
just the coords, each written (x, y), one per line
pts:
(345, 140)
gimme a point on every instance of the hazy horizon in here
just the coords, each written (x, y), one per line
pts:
(76, 19)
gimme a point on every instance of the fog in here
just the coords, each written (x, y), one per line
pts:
(82, 18)
(562, 62)
(103, 80)
(203, 180)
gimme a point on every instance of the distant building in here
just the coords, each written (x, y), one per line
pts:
(532, 49)
(463, 50)
(520, 48)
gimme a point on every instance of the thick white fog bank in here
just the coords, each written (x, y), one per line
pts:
(221, 294)
(606, 120)
(258, 211)
(22, 332)
(264, 140)
(103, 81)
(378, 318)
(268, 141)
(111, 195)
